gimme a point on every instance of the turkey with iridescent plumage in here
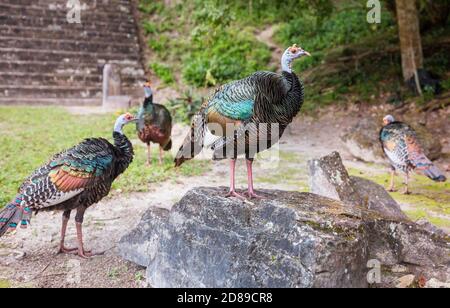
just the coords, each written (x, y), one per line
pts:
(154, 125)
(405, 153)
(74, 179)
(246, 117)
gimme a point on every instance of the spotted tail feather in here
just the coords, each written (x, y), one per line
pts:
(14, 214)
(433, 173)
(194, 141)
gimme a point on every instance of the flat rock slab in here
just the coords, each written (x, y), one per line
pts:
(290, 239)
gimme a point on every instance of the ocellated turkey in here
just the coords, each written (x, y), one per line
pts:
(74, 179)
(154, 124)
(405, 153)
(247, 116)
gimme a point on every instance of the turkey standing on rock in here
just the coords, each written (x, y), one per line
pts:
(154, 125)
(400, 144)
(72, 180)
(247, 116)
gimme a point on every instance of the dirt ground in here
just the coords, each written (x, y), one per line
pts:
(28, 258)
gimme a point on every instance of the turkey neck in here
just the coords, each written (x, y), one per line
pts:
(124, 150)
(293, 100)
(148, 103)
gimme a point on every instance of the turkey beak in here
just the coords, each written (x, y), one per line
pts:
(306, 53)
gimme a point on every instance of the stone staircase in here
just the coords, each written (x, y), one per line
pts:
(44, 60)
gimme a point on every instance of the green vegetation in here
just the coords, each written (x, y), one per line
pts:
(184, 107)
(207, 43)
(200, 41)
(30, 136)
(4, 284)
(163, 72)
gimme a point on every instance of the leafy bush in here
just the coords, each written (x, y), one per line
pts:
(202, 40)
(163, 72)
(185, 107)
(344, 27)
(231, 57)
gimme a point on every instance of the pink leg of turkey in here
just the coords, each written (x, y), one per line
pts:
(233, 192)
(251, 191)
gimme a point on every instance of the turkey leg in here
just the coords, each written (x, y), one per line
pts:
(233, 192)
(65, 221)
(392, 185)
(85, 254)
(251, 191)
(161, 155)
(149, 155)
(406, 191)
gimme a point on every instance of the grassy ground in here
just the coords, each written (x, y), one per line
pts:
(30, 136)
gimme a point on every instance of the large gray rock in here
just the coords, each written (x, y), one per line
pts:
(362, 141)
(376, 198)
(329, 178)
(290, 239)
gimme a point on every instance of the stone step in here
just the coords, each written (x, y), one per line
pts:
(18, 54)
(19, 20)
(49, 91)
(59, 33)
(67, 45)
(104, 5)
(99, 13)
(36, 79)
(52, 79)
(44, 60)
(53, 92)
(132, 69)
(27, 101)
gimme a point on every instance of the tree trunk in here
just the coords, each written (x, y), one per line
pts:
(410, 39)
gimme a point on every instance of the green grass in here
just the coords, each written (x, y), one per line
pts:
(30, 136)
(4, 284)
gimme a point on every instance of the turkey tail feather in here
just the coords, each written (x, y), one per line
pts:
(434, 173)
(168, 146)
(10, 217)
(194, 141)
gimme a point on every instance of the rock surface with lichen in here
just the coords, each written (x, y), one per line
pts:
(328, 177)
(362, 141)
(288, 239)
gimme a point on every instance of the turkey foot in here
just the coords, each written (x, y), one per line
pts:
(87, 254)
(65, 250)
(406, 192)
(251, 194)
(234, 194)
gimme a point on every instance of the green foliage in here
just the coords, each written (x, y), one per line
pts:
(163, 72)
(211, 42)
(203, 41)
(31, 136)
(185, 107)
(345, 27)
(233, 55)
